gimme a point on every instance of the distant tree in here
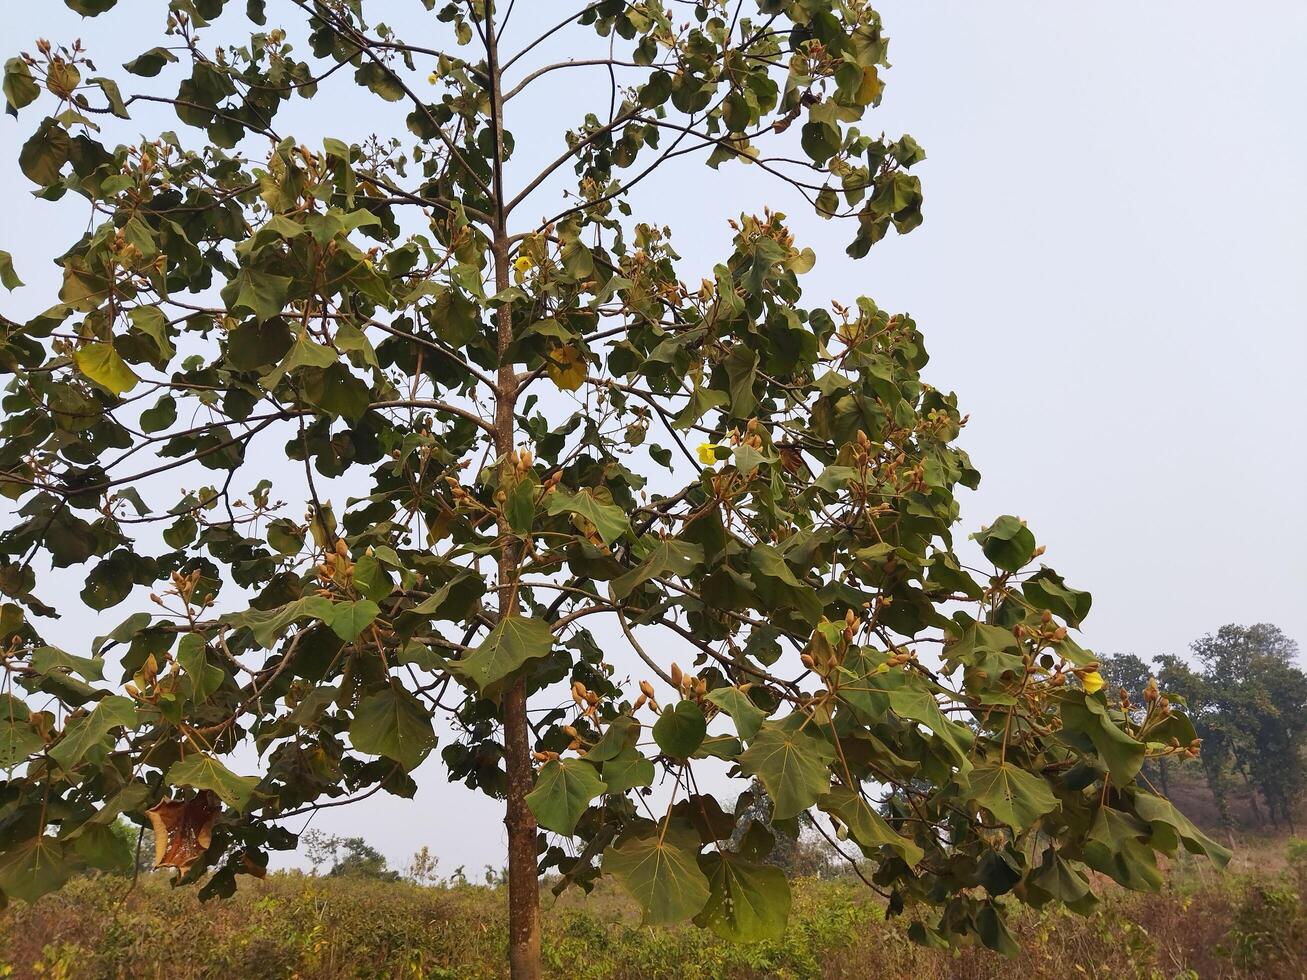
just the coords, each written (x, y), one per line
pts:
(423, 867)
(350, 857)
(1262, 699)
(1248, 705)
(1235, 651)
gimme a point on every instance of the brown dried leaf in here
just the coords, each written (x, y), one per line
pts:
(183, 830)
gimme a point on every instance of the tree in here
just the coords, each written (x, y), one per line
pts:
(350, 857)
(494, 418)
(1260, 699)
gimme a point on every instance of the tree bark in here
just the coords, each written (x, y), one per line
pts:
(523, 870)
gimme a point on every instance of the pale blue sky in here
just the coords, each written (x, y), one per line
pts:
(1110, 275)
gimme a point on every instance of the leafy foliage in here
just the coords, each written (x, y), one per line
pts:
(500, 394)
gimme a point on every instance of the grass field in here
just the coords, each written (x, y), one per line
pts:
(1248, 922)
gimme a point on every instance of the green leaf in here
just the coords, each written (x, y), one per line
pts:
(268, 625)
(260, 293)
(35, 868)
(562, 793)
(20, 88)
(370, 579)
(1058, 879)
(1115, 846)
(350, 618)
(160, 416)
(90, 8)
(153, 322)
(679, 731)
(393, 723)
(921, 706)
(607, 518)
(1014, 796)
(8, 278)
(102, 847)
(44, 155)
(18, 740)
(1047, 590)
(747, 902)
(622, 733)
(1008, 543)
(151, 62)
(520, 507)
(108, 583)
(748, 717)
(867, 826)
(627, 770)
(46, 659)
(206, 772)
(669, 557)
(112, 95)
(86, 733)
(101, 363)
(204, 677)
(661, 873)
(791, 764)
(1087, 713)
(513, 641)
(1170, 825)
(994, 932)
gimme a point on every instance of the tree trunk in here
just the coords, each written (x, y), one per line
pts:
(1252, 798)
(523, 870)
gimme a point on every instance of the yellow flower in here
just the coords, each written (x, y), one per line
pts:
(708, 453)
(1093, 682)
(431, 79)
(524, 264)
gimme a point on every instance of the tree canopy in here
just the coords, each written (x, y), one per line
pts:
(1248, 702)
(510, 430)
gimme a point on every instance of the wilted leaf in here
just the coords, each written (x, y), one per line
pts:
(183, 831)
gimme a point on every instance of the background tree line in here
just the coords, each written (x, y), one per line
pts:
(1248, 702)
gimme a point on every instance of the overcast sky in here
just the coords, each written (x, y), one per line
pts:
(1112, 275)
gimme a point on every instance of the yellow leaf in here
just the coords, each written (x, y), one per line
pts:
(566, 367)
(872, 86)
